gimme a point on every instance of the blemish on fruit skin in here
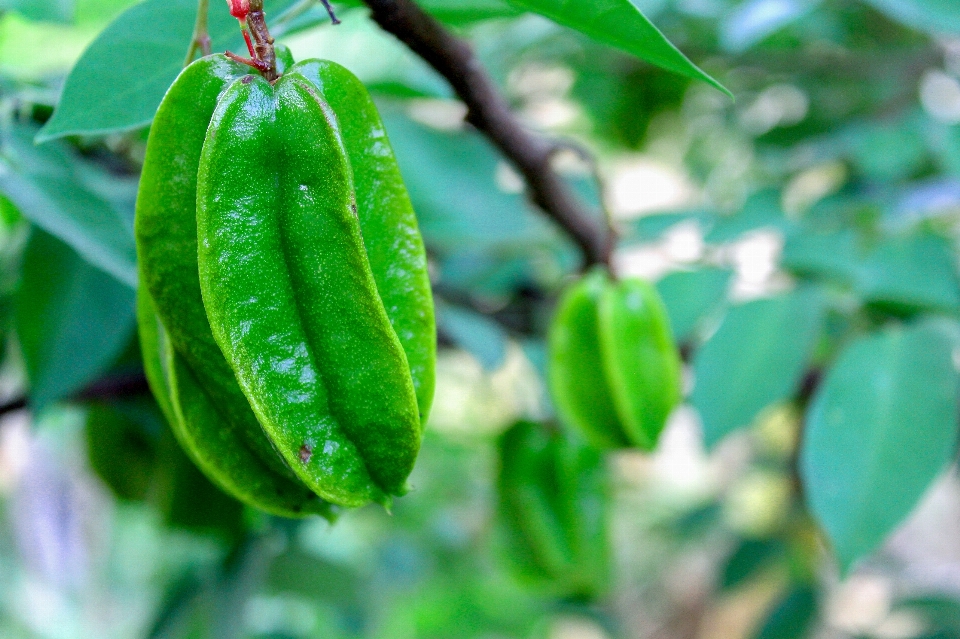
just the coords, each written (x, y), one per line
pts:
(306, 452)
(247, 79)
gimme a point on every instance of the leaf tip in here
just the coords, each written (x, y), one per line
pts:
(846, 562)
(43, 136)
(719, 87)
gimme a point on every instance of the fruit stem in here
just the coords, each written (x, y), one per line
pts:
(262, 41)
(586, 156)
(250, 62)
(249, 13)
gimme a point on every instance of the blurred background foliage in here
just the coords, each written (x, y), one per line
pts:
(804, 238)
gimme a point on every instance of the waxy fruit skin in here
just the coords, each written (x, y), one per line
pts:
(387, 220)
(614, 370)
(210, 443)
(553, 507)
(166, 237)
(345, 258)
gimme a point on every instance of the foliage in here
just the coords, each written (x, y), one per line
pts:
(803, 237)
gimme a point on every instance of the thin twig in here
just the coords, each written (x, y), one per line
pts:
(281, 23)
(201, 36)
(808, 386)
(487, 110)
(114, 387)
(586, 156)
(333, 16)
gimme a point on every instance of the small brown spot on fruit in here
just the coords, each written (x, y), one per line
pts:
(247, 79)
(306, 452)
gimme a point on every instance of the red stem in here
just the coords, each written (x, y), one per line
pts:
(246, 38)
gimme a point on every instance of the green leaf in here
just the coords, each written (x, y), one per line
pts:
(792, 617)
(485, 271)
(692, 295)
(750, 558)
(383, 63)
(536, 351)
(939, 17)
(72, 319)
(443, 168)
(888, 152)
(910, 272)
(916, 271)
(650, 228)
(461, 12)
(881, 427)
(944, 140)
(752, 21)
(187, 499)
(41, 10)
(296, 571)
(756, 357)
(761, 210)
(939, 612)
(834, 256)
(47, 185)
(620, 24)
(481, 337)
(122, 440)
(178, 606)
(119, 81)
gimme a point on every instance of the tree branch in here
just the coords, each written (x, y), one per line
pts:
(262, 41)
(489, 113)
(107, 388)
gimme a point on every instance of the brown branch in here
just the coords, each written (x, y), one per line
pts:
(262, 41)
(808, 386)
(453, 58)
(114, 387)
(253, 23)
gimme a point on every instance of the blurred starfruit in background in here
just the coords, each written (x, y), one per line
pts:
(554, 510)
(614, 368)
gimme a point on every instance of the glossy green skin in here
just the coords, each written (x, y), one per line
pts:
(576, 368)
(153, 343)
(614, 369)
(199, 429)
(553, 509)
(641, 363)
(284, 58)
(290, 296)
(166, 234)
(387, 220)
